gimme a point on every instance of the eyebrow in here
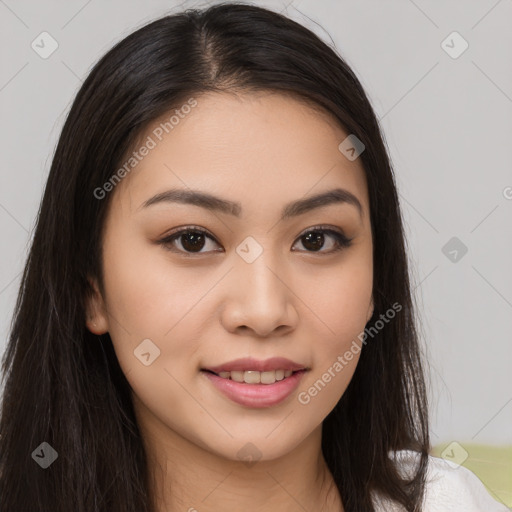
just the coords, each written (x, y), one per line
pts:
(293, 209)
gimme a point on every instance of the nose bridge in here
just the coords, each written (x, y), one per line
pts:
(259, 299)
(257, 268)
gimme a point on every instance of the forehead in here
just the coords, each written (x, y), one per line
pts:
(254, 147)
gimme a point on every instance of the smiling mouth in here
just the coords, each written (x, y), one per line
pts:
(256, 377)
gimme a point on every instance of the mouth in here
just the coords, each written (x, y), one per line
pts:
(255, 389)
(256, 377)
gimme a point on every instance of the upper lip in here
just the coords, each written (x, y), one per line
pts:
(248, 364)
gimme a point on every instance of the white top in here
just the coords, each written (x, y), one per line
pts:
(450, 488)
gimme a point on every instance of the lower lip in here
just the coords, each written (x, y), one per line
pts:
(256, 395)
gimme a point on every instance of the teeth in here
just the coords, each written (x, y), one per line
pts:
(254, 377)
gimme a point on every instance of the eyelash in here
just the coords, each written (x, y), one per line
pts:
(342, 242)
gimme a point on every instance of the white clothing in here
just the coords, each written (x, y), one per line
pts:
(450, 488)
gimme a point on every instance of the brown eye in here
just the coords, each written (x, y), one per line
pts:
(192, 240)
(314, 240)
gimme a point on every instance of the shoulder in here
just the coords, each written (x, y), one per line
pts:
(449, 487)
(449, 484)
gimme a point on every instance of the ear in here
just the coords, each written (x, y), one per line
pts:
(370, 310)
(96, 318)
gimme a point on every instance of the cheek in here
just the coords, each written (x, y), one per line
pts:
(341, 300)
(155, 316)
(146, 290)
(341, 304)
(150, 298)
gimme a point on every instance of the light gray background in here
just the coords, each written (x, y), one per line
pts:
(448, 125)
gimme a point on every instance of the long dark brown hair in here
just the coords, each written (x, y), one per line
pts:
(63, 384)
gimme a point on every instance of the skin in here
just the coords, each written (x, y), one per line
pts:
(262, 150)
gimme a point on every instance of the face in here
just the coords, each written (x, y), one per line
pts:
(190, 289)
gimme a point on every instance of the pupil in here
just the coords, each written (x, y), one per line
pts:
(315, 240)
(193, 241)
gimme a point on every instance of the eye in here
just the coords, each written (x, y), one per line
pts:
(314, 239)
(193, 239)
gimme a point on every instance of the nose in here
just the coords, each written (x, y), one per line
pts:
(259, 298)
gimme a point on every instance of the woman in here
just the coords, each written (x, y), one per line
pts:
(216, 311)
